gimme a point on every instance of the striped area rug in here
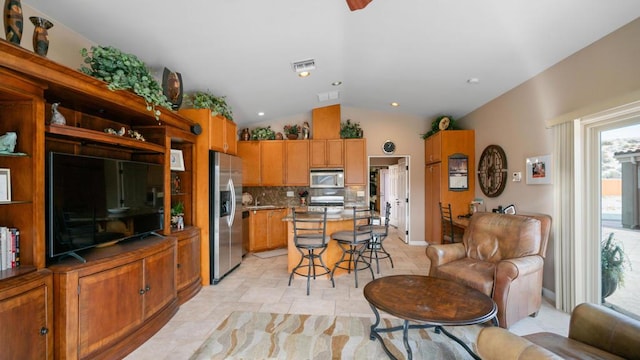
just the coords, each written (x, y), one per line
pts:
(249, 335)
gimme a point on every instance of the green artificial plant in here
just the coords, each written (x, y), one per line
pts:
(123, 71)
(206, 100)
(177, 209)
(292, 129)
(263, 133)
(350, 130)
(435, 125)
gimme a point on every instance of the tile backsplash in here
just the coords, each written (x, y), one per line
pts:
(277, 195)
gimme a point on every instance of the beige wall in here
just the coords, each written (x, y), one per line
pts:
(64, 44)
(584, 82)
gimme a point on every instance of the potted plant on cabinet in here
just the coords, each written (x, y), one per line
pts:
(292, 131)
(124, 72)
(612, 264)
(206, 100)
(350, 130)
(177, 216)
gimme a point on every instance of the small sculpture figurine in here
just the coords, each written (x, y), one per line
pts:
(136, 135)
(305, 130)
(110, 131)
(56, 117)
(121, 131)
(8, 142)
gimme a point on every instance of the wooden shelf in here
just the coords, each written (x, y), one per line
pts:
(103, 138)
(15, 272)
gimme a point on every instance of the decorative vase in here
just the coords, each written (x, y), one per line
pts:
(245, 135)
(279, 136)
(41, 35)
(56, 117)
(292, 136)
(13, 21)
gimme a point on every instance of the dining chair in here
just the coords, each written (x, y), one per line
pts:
(450, 233)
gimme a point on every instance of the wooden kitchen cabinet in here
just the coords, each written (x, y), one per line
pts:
(221, 133)
(26, 316)
(325, 122)
(271, 162)
(355, 162)
(327, 153)
(438, 148)
(297, 162)
(267, 230)
(249, 152)
(108, 305)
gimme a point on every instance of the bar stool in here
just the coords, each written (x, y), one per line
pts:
(379, 233)
(353, 243)
(309, 235)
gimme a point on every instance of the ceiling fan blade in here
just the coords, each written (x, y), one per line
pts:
(357, 4)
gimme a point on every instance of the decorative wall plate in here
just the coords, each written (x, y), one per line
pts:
(492, 171)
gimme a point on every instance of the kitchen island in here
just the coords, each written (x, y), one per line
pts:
(335, 222)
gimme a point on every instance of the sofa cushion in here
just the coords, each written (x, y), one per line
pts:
(470, 272)
(495, 237)
(568, 348)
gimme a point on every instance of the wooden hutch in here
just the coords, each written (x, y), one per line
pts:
(124, 293)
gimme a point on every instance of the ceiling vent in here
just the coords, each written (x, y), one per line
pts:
(326, 96)
(304, 65)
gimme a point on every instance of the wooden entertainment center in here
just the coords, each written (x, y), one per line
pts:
(124, 293)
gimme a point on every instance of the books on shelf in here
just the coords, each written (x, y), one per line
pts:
(9, 247)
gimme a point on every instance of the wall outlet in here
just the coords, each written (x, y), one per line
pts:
(517, 176)
(360, 193)
(290, 194)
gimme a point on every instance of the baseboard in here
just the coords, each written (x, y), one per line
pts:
(549, 295)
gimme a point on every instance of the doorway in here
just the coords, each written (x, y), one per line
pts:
(389, 182)
(620, 216)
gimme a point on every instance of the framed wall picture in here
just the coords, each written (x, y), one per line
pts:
(538, 169)
(177, 160)
(5, 185)
(458, 172)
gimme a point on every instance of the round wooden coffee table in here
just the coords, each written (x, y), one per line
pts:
(428, 301)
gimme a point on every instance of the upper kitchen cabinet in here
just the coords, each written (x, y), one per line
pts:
(355, 162)
(327, 153)
(297, 162)
(220, 131)
(249, 152)
(326, 122)
(272, 162)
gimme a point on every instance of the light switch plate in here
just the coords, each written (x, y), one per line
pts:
(289, 193)
(360, 193)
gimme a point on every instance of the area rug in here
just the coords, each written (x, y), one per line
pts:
(271, 253)
(249, 335)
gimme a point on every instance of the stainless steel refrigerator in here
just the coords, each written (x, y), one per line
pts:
(225, 214)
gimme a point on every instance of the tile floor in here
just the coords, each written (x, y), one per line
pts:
(261, 285)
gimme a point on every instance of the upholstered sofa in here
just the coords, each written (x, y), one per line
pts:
(595, 332)
(502, 256)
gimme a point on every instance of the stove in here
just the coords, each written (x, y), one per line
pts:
(333, 203)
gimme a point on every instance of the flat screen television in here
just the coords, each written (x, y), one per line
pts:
(96, 201)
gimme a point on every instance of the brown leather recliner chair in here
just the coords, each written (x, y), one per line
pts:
(502, 256)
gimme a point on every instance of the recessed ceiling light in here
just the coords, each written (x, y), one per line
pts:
(304, 74)
(473, 80)
(260, 113)
(395, 104)
(336, 83)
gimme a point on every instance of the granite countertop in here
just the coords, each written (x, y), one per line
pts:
(341, 216)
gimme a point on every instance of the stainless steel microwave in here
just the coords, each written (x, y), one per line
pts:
(326, 178)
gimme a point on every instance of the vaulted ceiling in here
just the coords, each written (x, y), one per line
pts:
(418, 53)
